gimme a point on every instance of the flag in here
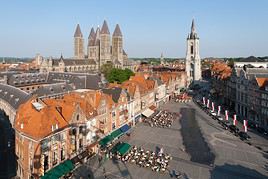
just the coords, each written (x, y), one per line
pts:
(246, 125)
(204, 100)
(234, 119)
(226, 115)
(208, 103)
(219, 110)
(212, 106)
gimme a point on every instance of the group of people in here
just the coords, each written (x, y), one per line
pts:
(161, 119)
(148, 159)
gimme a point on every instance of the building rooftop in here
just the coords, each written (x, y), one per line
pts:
(13, 96)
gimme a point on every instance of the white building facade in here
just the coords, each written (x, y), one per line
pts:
(193, 61)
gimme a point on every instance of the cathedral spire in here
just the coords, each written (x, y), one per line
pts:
(91, 34)
(78, 32)
(104, 28)
(97, 36)
(117, 31)
(91, 37)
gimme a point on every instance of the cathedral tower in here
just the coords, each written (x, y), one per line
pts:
(91, 45)
(78, 43)
(193, 61)
(105, 47)
(117, 46)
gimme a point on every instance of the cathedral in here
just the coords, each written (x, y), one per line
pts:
(193, 61)
(101, 49)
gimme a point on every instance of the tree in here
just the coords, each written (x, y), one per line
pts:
(231, 62)
(119, 75)
(106, 68)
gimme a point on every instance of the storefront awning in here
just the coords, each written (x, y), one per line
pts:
(106, 140)
(116, 133)
(125, 128)
(148, 112)
(122, 148)
(59, 170)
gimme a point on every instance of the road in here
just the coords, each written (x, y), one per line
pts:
(258, 140)
(7, 148)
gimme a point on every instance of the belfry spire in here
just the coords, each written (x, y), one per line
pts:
(193, 27)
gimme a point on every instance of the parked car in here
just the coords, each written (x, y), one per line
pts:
(213, 113)
(243, 135)
(226, 124)
(234, 129)
(219, 118)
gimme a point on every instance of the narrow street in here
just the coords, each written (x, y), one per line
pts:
(7, 148)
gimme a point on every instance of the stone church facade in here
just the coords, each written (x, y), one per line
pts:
(101, 49)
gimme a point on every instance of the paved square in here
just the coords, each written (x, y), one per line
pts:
(234, 158)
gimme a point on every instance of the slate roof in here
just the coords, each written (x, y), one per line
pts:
(253, 72)
(114, 92)
(117, 31)
(91, 37)
(78, 32)
(26, 79)
(116, 62)
(193, 34)
(52, 89)
(79, 80)
(104, 28)
(73, 62)
(12, 95)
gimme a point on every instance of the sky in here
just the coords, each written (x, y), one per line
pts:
(227, 28)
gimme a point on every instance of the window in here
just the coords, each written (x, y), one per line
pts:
(192, 49)
(80, 143)
(62, 153)
(46, 162)
(54, 157)
(77, 117)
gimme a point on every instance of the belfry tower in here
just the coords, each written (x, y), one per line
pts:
(193, 61)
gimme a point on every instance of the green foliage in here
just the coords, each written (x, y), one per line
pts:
(106, 68)
(118, 75)
(231, 62)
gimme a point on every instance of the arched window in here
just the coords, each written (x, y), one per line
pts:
(77, 117)
(192, 49)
